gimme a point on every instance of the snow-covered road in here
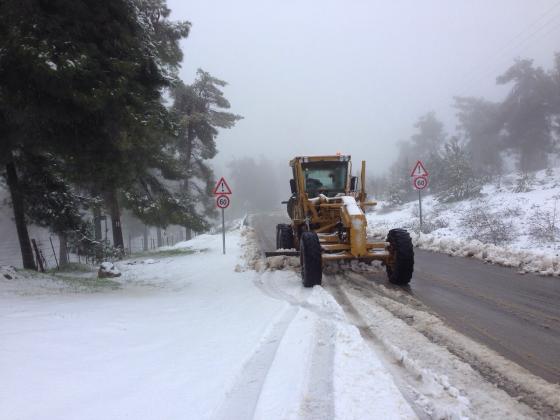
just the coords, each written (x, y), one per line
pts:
(187, 337)
(208, 336)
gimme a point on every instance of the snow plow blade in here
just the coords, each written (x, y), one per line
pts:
(277, 253)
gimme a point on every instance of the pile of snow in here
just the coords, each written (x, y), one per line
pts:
(8, 272)
(515, 210)
(108, 269)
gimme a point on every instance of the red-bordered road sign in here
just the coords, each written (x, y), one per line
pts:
(222, 187)
(419, 170)
(420, 182)
(222, 201)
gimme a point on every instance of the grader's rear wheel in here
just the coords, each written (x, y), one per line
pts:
(310, 258)
(401, 264)
(284, 237)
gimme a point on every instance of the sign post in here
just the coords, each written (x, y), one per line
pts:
(419, 181)
(222, 190)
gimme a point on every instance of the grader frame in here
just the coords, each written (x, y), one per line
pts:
(327, 210)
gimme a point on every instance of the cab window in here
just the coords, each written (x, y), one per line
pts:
(328, 178)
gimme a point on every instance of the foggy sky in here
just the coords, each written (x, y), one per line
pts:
(319, 77)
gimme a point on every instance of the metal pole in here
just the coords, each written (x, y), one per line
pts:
(223, 232)
(420, 206)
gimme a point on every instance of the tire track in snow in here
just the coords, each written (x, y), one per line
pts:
(318, 403)
(523, 386)
(242, 399)
(427, 347)
(402, 379)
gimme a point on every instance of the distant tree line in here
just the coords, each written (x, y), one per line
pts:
(83, 125)
(524, 126)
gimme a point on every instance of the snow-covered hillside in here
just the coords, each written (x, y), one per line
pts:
(515, 222)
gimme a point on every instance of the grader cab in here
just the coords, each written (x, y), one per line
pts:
(327, 210)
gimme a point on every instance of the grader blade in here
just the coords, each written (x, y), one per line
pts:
(280, 253)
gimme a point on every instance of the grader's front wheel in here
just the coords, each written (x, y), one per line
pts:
(310, 259)
(401, 263)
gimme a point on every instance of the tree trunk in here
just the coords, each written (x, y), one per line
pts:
(145, 238)
(113, 205)
(98, 234)
(188, 156)
(159, 238)
(97, 224)
(19, 216)
(63, 250)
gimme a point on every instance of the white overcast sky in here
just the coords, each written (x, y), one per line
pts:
(319, 77)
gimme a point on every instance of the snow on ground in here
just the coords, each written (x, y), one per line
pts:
(185, 335)
(519, 213)
(446, 372)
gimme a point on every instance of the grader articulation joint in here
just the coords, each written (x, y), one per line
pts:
(327, 210)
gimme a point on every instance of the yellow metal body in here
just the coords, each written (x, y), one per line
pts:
(338, 220)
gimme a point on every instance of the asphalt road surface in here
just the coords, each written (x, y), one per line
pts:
(518, 316)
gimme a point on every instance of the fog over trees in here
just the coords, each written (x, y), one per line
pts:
(100, 121)
(521, 130)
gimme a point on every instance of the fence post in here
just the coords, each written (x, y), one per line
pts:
(39, 261)
(54, 253)
(45, 265)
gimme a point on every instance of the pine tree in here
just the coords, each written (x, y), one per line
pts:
(198, 110)
(528, 111)
(50, 201)
(429, 136)
(86, 95)
(458, 180)
(481, 121)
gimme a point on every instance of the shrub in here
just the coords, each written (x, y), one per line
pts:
(524, 182)
(543, 225)
(486, 226)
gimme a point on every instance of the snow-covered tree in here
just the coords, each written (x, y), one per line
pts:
(457, 178)
(88, 96)
(199, 110)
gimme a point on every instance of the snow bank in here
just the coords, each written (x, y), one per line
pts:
(450, 236)
(442, 384)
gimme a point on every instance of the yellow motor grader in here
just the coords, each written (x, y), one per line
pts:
(328, 222)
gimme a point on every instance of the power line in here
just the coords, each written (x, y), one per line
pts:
(515, 42)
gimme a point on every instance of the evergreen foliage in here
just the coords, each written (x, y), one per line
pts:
(89, 101)
(528, 112)
(457, 178)
(199, 111)
(481, 122)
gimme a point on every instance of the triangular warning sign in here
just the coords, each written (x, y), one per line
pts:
(419, 170)
(222, 187)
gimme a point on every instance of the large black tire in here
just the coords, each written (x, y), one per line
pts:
(310, 259)
(284, 237)
(400, 269)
